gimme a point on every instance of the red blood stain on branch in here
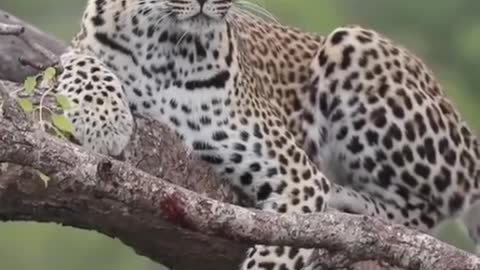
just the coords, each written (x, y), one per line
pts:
(172, 206)
(173, 210)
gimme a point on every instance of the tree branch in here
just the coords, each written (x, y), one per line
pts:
(86, 185)
(77, 202)
(134, 201)
(23, 42)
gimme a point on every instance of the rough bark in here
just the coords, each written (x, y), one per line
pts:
(12, 48)
(135, 200)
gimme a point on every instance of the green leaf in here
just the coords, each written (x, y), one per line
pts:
(63, 102)
(30, 84)
(26, 105)
(62, 123)
(49, 74)
(45, 178)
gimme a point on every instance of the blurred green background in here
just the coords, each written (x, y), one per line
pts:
(446, 34)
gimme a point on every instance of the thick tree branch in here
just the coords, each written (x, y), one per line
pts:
(102, 187)
(74, 202)
(132, 200)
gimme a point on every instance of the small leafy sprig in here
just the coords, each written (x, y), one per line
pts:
(59, 123)
(46, 81)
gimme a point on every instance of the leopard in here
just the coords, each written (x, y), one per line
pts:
(179, 62)
(298, 122)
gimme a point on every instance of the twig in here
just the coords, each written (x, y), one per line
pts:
(19, 30)
(9, 29)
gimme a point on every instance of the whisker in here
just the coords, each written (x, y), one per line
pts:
(256, 1)
(258, 9)
(230, 18)
(181, 38)
(246, 13)
(159, 21)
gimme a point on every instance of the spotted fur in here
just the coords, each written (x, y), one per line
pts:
(99, 111)
(278, 112)
(378, 120)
